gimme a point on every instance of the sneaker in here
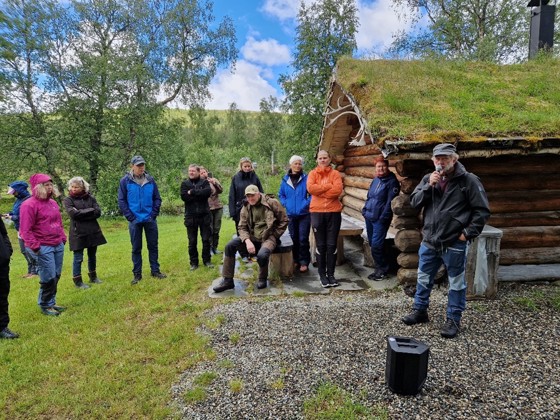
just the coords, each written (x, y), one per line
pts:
(417, 316)
(208, 264)
(59, 308)
(377, 275)
(136, 279)
(224, 285)
(261, 284)
(194, 267)
(215, 251)
(50, 312)
(450, 328)
(158, 275)
(332, 281)
(324, 282)
(8, 334)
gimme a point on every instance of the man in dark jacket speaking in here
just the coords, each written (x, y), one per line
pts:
(195, 192)
(455, 212)
(262, 222)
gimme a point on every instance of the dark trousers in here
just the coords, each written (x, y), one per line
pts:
(194, 224)
(326, 227)
(79, 259)
(216, 225)
(376, 232)
(263, 249)
(151, 230)
(242, 248)
(299, 231)
(4, 292)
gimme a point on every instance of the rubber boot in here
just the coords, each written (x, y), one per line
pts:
(79, 283)
(263, 277)
(93, 278)
(224, 285)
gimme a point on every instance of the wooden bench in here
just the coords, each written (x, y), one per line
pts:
(281, 263)
(348, 227)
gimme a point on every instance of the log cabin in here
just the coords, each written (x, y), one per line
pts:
(503, 120)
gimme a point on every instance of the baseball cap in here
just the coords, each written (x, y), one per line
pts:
(444, 149)
(251, 189)
(137, 160)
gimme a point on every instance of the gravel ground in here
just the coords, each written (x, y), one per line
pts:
(503, 365)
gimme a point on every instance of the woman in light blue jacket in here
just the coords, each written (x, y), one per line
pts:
(294, 197)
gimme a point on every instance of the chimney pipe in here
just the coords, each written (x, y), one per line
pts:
(542, 26)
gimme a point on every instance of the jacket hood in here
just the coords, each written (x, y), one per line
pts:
(39, 179)
(20, 187)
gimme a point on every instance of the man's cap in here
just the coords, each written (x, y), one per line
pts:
(444, 149)
(251, 189)
(137, 160)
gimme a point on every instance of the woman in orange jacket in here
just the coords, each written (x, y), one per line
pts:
(325, 186)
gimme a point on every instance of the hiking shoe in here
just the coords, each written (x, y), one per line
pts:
(324, 281)
(194, 267)
(332, 281)
(50, 311)
(8, 334)
(261, 284)
(417, 316)
(377, 275)
(208, 264)
(450, 328)
(136, 279)
(215, 251)
(225, 284)
(59, 308)
(158, 275)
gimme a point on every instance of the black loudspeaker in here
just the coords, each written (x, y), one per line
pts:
(407, 365)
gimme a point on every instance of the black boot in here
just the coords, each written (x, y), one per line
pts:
(136, 279)
(224, 285)
(417, 316)
(322, 269)
(79, 283)
(93, 278)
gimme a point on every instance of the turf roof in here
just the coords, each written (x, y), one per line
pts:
(433, 100)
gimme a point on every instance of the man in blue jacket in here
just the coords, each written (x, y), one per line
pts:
(455, 212)
(139, 201)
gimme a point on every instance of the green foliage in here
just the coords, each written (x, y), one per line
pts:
(236, 385)
(205, 379)
(194, 395)
(487, 30)
(117, 348)
(331, 402)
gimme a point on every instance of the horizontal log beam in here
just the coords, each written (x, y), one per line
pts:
(546, 255)
(353, 202)
(521, 181)
(361, 171)
(530, 237)
(537, 218)
(353, 213)
(401, 206)
(358, 182)
(408, 259)
(369, 149)
(358, 193)
(523, 201)
(408, 240)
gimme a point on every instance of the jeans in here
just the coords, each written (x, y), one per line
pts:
(193, 224)
(31, 265)
(49, 263)
(151, 230)
(79, 258)
(376, 233)
(454, 258)
(298, 227)
(216, 225)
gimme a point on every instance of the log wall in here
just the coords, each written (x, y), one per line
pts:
(523, 192)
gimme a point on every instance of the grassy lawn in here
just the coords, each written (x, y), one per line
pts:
(118, 349)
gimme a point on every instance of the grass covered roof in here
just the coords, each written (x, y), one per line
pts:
(431, 100)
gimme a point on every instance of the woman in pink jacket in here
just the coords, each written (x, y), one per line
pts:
(43, 234)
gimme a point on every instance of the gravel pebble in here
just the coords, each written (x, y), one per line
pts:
(503, 365)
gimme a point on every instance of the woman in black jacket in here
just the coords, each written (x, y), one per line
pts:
(85, 232)
(241, 180)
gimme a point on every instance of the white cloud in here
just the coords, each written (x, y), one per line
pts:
(378, 22)
(268, 52)
(281, 9)
(246, 87)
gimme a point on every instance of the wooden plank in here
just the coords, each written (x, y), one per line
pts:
(542, 255)
(536, 218)
(531, 237)
(544, 272)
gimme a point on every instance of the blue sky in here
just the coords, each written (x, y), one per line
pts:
(265, 39)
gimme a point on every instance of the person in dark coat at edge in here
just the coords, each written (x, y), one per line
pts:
(85, 232)
(216, 209)
(378, 215)
(295, 198)
(195, 192)
(5, 255)
(455, 212)
(19, 191)
(262, 222)
(241, 180)
(139, 202)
